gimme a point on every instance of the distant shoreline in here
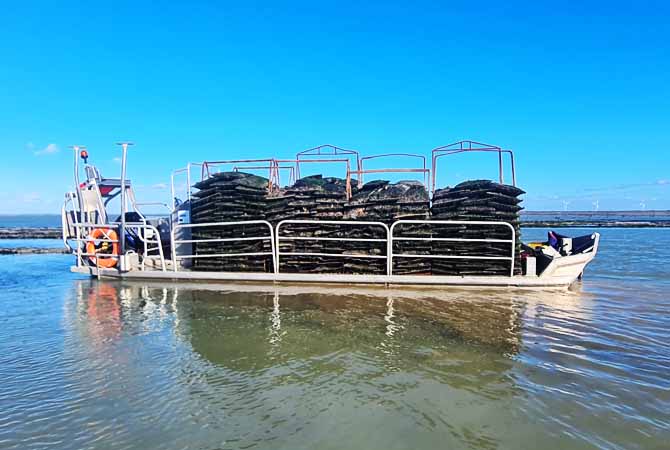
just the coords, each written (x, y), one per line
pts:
(593, 224)
(626, 213)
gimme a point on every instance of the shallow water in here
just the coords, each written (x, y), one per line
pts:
(88, 364)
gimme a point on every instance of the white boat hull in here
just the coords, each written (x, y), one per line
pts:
(561, 273)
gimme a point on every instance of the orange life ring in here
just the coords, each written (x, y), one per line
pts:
(104, 247)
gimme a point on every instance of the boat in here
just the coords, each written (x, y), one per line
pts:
(135, 246)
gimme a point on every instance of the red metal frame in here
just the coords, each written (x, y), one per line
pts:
(472, 146)
(274, 172)
(425, 171)
(326, 150)
(328, 154)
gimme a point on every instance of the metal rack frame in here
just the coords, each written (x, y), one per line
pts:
(327, 150)
(423, 170)
(472, 146)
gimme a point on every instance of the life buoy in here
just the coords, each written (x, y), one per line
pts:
(103, 246)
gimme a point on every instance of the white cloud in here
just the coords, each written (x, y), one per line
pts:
(663, 182)
(117, 160)
(48, 150)
(159, 186)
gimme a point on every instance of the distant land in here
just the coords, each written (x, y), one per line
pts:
(629, 213)
(657, 218)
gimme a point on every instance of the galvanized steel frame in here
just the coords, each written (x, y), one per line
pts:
(390, 238)
(174, 241)
(511, 241)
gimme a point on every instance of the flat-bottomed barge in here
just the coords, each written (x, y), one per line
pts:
(234, 226)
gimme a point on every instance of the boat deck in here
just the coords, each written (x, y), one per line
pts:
(383, 280)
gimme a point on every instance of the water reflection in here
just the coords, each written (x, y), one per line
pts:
(288, 363)
(264, 316)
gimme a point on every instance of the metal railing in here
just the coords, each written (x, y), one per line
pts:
(189, 183)
(393, 239)
(348, 223)
(148, 235)
(176, 242)
(277, 235)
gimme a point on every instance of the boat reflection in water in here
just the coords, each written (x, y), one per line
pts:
(288, 365)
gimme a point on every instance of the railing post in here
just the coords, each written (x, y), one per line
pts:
(173, 248)
(389, 251)
(276, 252)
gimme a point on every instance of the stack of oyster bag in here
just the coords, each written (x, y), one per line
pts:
(382, 201)
(231, 197)
(478, 200)
(310, 198)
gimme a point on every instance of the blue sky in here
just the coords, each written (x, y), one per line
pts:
(581, 91)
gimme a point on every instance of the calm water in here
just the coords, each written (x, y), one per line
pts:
(30, 220)
(102, 365)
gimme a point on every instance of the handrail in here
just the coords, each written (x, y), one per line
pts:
(189, 186)
(165, 205)
(318, 238)
(451, 222)
(390, 237)
(174, 241)
(115, 225)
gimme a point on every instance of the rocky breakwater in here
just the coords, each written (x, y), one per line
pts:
(31, 251)
(30, 233)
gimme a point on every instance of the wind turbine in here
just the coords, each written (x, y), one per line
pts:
(596, 205)
(565, 204)
(643, 205)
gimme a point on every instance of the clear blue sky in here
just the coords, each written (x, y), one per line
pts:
(581, 91)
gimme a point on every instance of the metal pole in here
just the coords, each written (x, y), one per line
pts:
(188, 181)
(500, 167)
(77, 189)
(122, 237)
